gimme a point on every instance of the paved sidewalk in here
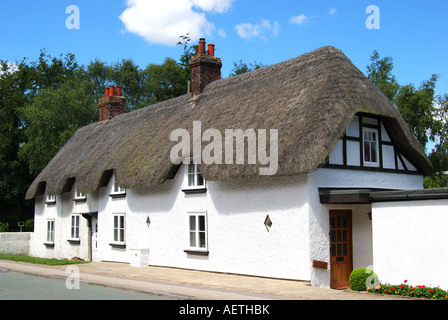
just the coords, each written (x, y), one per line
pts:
(191, 284)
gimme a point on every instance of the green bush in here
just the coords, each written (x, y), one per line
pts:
(360, 277)
(4, 226)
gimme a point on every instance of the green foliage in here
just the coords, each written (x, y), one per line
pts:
(51, 119)
(360, 277)
(4, 226)
(241, 67)
(29, 225)
(380, 73)
(418, 110)
(403, 289)
(425, 113)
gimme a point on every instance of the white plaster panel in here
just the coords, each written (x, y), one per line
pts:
(336, 155)
(410, 242)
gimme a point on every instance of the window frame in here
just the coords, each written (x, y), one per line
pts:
(369, 163)
(195, 175)
(50, 199)
(75, 228)
(50, 232)
(197, 247)
(80, 196)
(118, 230)
(117, 191)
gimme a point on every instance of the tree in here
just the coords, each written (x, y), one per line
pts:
(380, 73)
(425, 114)
(165, 81)
(189, 52)
(52, 118)
(418, 110)
(241, 67)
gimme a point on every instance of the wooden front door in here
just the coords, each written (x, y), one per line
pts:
(341, 258)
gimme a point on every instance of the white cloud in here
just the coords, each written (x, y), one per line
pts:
(164, 21)
(300, 19)
(264, 29)
(332, 11)
(11, 67)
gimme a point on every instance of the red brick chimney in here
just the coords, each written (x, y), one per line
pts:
(113, 104)
(205, 68)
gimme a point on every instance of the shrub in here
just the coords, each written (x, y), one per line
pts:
(4, 226)
(403, 289)
(360, 277)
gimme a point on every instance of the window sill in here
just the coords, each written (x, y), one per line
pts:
(118, 245)
(80, 199)
(74, 241)
(371, 164)
(49, 244)
(197, 252)
(118, 195)
(194, 190)
(50, 202)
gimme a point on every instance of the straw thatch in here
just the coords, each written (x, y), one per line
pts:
(309, 99)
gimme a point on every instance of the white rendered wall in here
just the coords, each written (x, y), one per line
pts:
(238, 241)
(410, 242)
(60, 212)
(361, 225)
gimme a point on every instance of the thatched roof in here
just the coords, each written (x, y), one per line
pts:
(309, 99)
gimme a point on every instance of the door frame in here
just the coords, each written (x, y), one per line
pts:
(340, 270)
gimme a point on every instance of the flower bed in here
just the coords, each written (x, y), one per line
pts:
(411, 291)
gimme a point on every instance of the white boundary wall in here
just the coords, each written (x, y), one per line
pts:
(410, 242)
(15, 243)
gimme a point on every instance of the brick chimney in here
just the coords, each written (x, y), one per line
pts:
(113, 104)
(205, 68)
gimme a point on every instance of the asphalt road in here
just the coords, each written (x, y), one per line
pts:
(15, 286)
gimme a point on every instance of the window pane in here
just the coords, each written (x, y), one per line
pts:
(200, 180)
(366, 151)
(122, 222)
(192, 223)
(373, 151)
(191, 168)
(115, 234)
(190, 180)
(202, 239)
(193, 239)
(201, 223)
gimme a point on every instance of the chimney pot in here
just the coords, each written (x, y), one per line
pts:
(211, 50)
(111, 105)
(201, 49)
(204, 68)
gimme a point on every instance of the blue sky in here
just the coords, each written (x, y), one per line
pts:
(412, 32)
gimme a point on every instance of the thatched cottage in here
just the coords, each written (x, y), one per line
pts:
(113, 193)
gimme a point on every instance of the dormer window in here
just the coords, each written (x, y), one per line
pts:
(195, 182)
(79, 196)
(51, 199)
(117, 191)
(370, 147)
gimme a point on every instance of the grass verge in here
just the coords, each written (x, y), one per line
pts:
(28, 259)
